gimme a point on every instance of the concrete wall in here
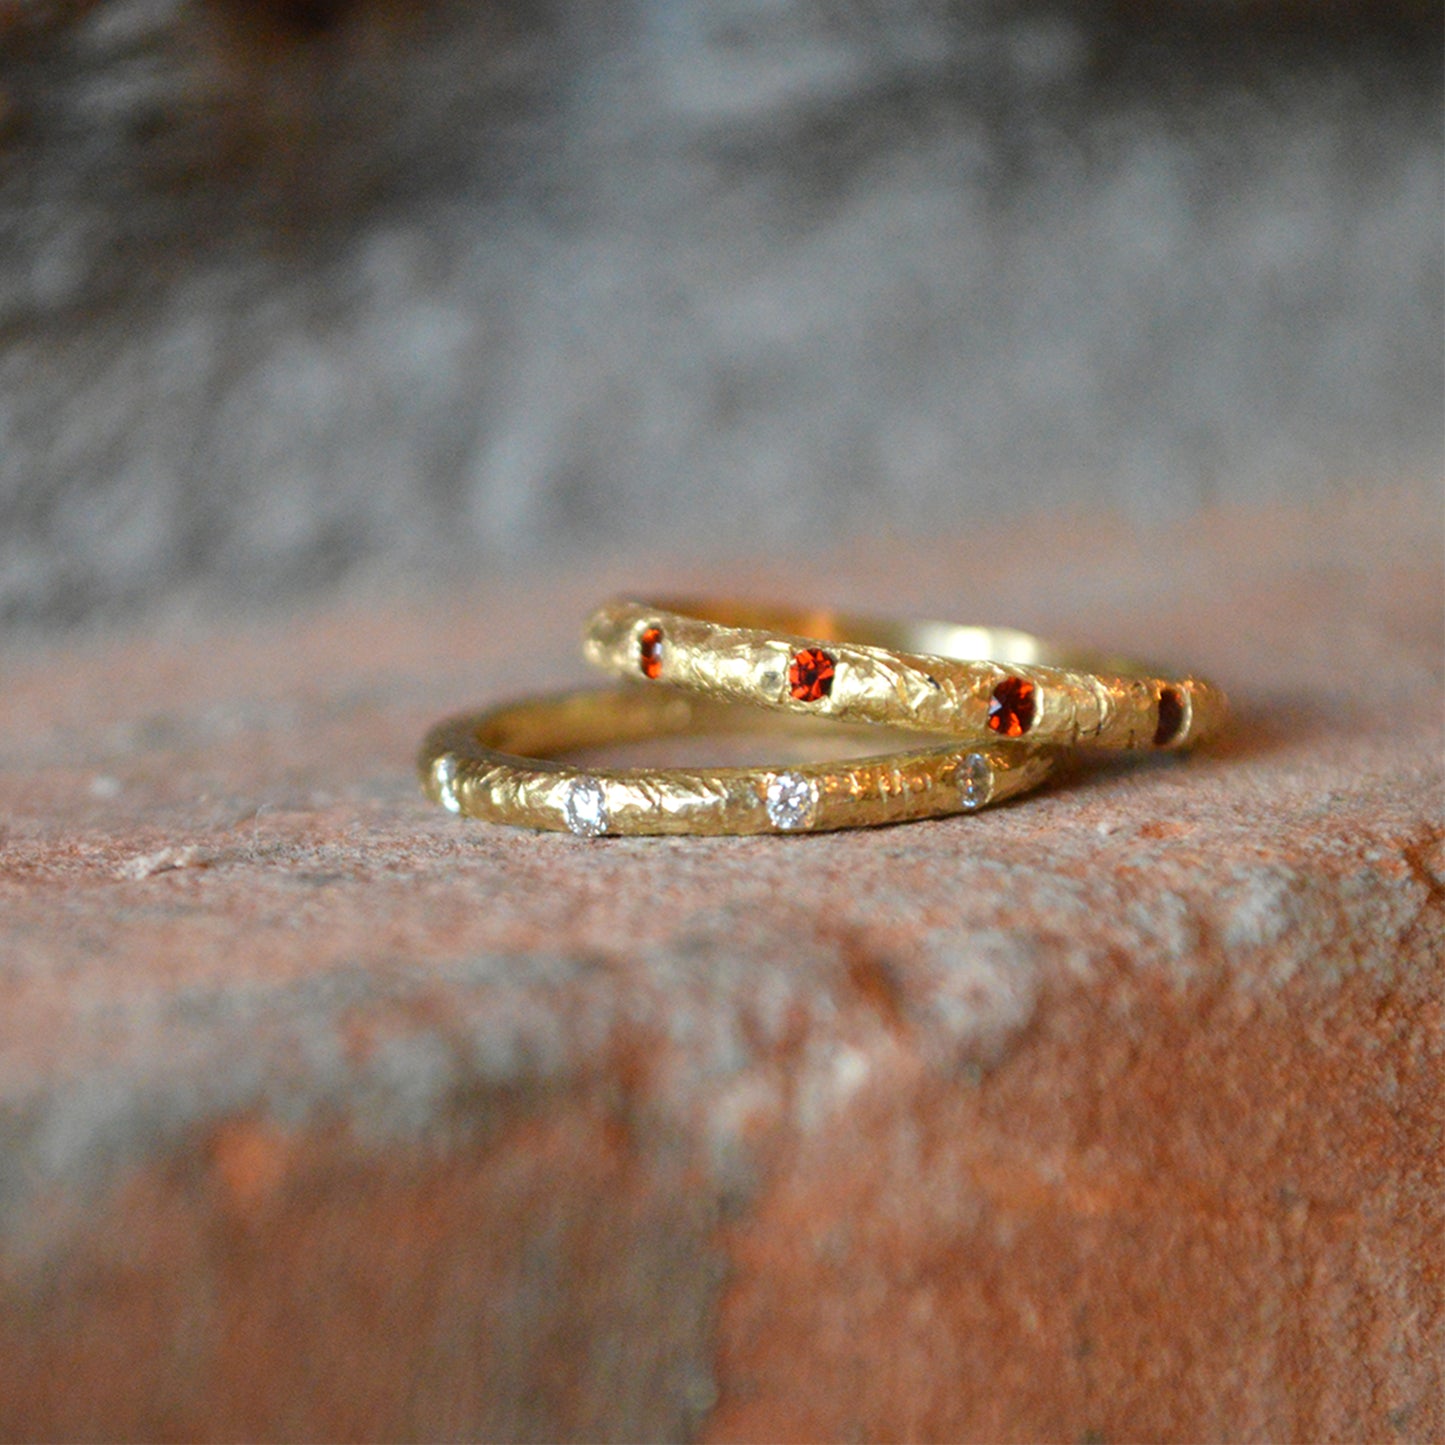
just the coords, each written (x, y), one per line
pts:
(293, 285)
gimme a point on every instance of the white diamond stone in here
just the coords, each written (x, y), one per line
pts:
(585, 808)
(444, 775)
(792, 800)
(975, 781)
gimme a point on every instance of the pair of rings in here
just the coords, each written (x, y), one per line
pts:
(989, 709)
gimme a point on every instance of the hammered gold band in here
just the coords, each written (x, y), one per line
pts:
(498, 765)
(975, 684)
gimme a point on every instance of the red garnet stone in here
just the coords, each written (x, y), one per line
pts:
(649, 652)
(1011, 708)
(811, 675)
(1171, 716)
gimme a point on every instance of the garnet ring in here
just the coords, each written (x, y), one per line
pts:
(981, 685)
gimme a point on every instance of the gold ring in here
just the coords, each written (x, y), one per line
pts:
(977, 684)
(498, 765)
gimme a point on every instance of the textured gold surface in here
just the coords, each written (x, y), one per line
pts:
(495, 765)
(931, 676)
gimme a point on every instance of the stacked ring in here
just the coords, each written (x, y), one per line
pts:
(975, 684)
(498, 765)
(995, 707)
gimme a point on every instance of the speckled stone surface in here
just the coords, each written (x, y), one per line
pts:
(1112, 1114)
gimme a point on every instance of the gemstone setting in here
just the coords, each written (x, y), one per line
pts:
(810, 677)
(649, 653)
(974, 780)
(1171, 717)
(792, 801)
(1011, 707)
(584, 808)
(444, 776)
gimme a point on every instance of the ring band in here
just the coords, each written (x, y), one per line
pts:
(977, 684)
(497, 765)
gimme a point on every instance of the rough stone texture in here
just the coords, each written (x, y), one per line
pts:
(1113, 1114)
(285, 284)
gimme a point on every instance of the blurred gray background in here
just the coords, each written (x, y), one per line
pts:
(292, 286)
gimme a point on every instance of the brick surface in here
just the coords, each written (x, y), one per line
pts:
(1112, 1114)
